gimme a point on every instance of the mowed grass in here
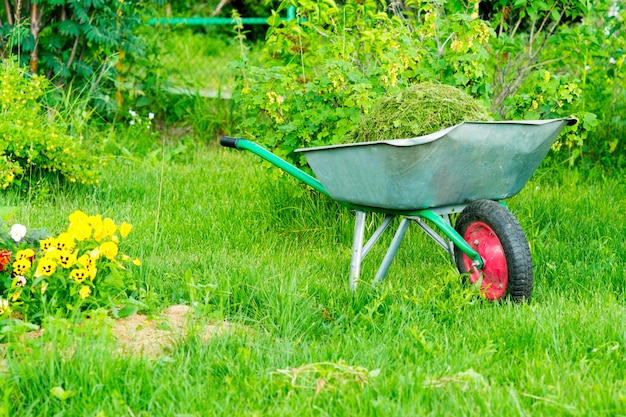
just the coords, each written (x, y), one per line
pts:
(218, 231)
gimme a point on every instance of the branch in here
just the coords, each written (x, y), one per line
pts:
(551, 31)
(73, 53)
(547, 16)
(517, 24)
(9, 13)
(18, 11)
(531, 36)
(219, 7)
(542, 63)
(35, 28)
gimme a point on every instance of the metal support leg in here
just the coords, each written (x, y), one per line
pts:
(446, 244)
(357, 248)
(446, 218)
(393, 248)
(376, 235)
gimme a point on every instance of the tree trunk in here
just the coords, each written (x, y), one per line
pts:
(8, 11)
(35, 27)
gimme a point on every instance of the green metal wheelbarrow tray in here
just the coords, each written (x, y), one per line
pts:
(466, 170)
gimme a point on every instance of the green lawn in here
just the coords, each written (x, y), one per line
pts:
(217, 231)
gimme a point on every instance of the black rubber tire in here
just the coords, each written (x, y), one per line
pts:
(519, 285)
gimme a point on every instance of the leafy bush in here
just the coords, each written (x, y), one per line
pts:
(69, 41)
(32, 143)
(80, 269)
(595, 55)
(546, 96)
(323, 72)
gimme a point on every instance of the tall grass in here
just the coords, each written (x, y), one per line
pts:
(263, 252)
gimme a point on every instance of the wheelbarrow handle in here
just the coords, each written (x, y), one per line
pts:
(243, 144)
(229, 142)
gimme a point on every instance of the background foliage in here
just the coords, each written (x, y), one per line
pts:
(34, 143)
(322, 73)
(70, 41)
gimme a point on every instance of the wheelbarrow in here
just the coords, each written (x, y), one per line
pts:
(463, 172)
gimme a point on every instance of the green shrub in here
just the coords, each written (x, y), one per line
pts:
(32, 142)
(72, 42)
(548, 96)
(322, 73)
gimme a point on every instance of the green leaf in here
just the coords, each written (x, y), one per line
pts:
(6, 213)
(555, 15)
(127, 311)
(60, 393)
(590, 121)
(69, 27)
(274, 19)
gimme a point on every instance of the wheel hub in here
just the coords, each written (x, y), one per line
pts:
(494, 273)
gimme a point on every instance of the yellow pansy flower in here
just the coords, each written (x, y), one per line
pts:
(67, 259)
(84, 292)
(87, 261)
(80, 230)
(78, 217)
(125, 229)
(109, 249)
(65, 241)
(21, 266)
(108, 228)
(46, 267)
(46, 244)
(79, 274)
(25, 254)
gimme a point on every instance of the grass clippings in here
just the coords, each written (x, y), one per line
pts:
(418, 110)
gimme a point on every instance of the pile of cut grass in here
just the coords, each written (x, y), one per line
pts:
(418, 110)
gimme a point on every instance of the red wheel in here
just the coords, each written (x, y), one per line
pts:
(495, 274)
(493, 232)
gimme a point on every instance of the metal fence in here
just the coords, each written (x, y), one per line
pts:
(198, 51)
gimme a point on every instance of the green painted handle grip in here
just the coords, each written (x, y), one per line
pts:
(243, 144)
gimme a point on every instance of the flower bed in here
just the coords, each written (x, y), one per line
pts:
(78, 270)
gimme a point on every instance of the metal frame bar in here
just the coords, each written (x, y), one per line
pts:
(391, 251)
(357, 249)
(377, 234)
(440, 217)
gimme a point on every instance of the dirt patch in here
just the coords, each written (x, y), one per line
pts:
(151, 336)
